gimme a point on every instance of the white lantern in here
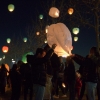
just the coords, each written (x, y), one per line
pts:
(37, 33)
(25, 39)
(75, 38)
(41, 16)
(8, 40)
(54, 12)
(59, 34)
(45, 41)
(70, 11)
(11, 7)
(75, 30)
(46, 29)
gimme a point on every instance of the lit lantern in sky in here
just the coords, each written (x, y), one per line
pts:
(11, 7)
(75, 30)
(5, 49)
(41, 16)
(37, 33)
(25, 39)
(8, 40)
(75, 39)
(54, 12)
(70, 11)
(45, 41)
(46, 29)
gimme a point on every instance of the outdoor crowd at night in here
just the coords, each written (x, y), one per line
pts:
(50, 50)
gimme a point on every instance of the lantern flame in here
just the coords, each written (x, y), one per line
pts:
(63, 85)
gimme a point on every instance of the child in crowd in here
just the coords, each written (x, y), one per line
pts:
(78, 84)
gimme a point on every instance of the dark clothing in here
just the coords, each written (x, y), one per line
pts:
(39, 68)
(69, 72)
(89, 73)
(70, 78)
(15, 78)
(3, 79)
(28, 81)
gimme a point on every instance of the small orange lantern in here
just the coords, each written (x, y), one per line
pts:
(5, 49)
(70, 11)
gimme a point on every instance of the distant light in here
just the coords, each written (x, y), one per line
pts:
(0, 59)
(46, 29)
(70, 11)
(75, 39)
(8, 40)
(75, 30)
(45, 41)
(37, 33)
(11, 7)
(3, 57)
(5, 49)
(54, 12)
(41, 16)
(25, 39)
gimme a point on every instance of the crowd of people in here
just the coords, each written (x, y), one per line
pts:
(45, 73)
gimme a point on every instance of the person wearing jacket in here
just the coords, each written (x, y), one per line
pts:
(89, 71)
(37, 63)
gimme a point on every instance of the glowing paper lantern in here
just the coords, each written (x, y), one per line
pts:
(75, 30)
(37, 33)
(5, 49)
(45, 41)
(24, 59)
(70, 11)
(54, 12)
(41, 16)
(46, 29)
(75, 39)
(11, 7)
(25, 39)
(60, 35)
(8, 40)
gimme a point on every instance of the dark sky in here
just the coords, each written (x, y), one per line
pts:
(17, 21)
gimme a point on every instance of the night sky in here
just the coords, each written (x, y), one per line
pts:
(17, 21)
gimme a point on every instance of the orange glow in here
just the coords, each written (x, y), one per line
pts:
(70, 11)
(5, 49)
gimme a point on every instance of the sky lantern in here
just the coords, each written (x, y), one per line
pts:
(54, 12)
(45, 41)
(8, 40)
(46, 29)
(5, 49)
(59, 34)
(75, 30)
(70, 11)
(37, 33)
(25, 39)
(11, 7)
(40, 16)
(75, 38)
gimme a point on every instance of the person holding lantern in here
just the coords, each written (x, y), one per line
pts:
(89, 74)
(37, 63)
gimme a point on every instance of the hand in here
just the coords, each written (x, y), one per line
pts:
(54, 46)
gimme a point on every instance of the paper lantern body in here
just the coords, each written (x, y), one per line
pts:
(5, 49)
(37, 33)
(24, 58)
(75, 38)
(41, 16)
(54, 12)
(70, 11)
(75, 30)
(11, 7)
(60, 35)
(25, 39)
(8, 40)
